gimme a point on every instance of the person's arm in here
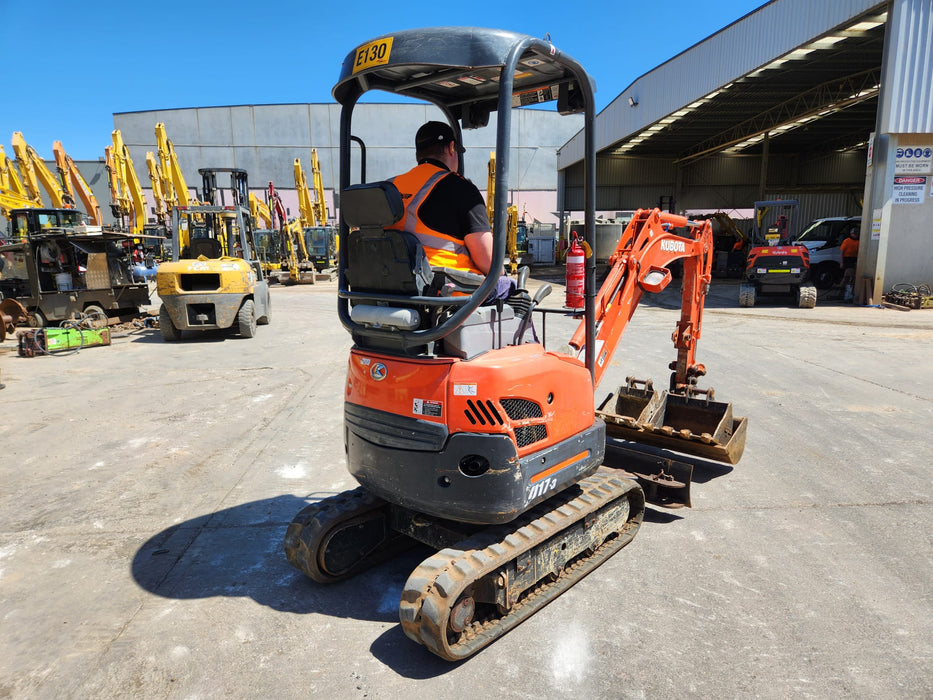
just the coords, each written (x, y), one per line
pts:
(480, 247)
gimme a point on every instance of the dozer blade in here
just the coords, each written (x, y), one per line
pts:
(691, 425)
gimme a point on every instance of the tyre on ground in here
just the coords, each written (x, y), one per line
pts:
(169, 331)
(246, 319)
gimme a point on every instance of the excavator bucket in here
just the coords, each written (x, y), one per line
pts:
(691, 425)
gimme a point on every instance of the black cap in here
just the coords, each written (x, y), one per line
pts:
(436, 132)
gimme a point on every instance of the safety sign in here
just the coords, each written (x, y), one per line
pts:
(909, 190)
(913, 159)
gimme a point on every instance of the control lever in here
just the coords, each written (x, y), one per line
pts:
(523, 273)
(539, 296)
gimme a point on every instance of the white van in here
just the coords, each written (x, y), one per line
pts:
(822, 238)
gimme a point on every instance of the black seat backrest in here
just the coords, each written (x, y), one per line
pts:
(379, 259)
(208, 247)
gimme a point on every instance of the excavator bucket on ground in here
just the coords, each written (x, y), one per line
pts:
(693, 425)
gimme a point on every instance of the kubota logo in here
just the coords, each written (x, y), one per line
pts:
(673, 246)
(378, 371)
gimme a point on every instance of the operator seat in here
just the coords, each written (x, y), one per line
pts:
(389, 261)
(208, 247)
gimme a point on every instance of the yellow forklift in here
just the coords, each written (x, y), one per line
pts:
(215, 280)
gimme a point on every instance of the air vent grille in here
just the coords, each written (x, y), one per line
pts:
(520, 409)
(529, 434)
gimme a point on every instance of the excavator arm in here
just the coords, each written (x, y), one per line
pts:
(320, 204)
(34, 171)
(10, 181)
(287, 231)
(128, 200)
(259, 210)
(305, 206)
(685, 418)
(639, 264)
(511, 222)
(173, 184)
(158, 194)
(75, 184)
(13, 194)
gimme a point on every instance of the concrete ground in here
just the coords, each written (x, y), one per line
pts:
(146, 488)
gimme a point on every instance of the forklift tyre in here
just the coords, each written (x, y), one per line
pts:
(169, 331)
(246, 319)
(264, 320)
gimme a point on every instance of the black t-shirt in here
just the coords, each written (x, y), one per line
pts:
(455, 207)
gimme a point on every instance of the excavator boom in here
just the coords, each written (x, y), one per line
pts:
(34, 171)
(320, 204)
(75, 184)
(685, 418)
(128, 200)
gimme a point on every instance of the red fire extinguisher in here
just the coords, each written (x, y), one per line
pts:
(576, 268)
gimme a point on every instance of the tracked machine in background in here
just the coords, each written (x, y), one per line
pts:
(774, 267)
(465, 433)
(320, 238)
(295, 265)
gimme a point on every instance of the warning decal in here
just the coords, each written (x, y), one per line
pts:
(423, 407)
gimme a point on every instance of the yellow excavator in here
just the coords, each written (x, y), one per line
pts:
(126, 194)
(13, 193)
(296, 267)
(174, 187)
(320, 239)
(33, 171)
(74, 184)
(268, 240)
(511, 226)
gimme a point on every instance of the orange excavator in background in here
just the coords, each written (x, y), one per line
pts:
(464, 432)
(74, 184)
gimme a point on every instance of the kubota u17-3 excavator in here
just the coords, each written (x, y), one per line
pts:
(464, 432)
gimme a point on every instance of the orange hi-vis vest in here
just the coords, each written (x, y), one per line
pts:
(441, 250)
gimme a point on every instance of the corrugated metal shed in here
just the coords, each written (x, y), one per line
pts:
(783, 40)
(908, 80)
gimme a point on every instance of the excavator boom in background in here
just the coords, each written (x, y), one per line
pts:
(320, 239)
(296, 267)
(464, 432)
(13, 193)
(511, 227)
(33, 171)
(128, 202)
(74, 184)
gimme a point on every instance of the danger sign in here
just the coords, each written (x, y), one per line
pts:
(909, 190)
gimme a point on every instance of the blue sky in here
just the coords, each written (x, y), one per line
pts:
(71, 65)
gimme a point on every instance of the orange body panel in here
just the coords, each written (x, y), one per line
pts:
(467, 395)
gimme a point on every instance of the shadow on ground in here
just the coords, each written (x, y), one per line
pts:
(239, 552)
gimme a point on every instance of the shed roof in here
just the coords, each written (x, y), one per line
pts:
(806, 73)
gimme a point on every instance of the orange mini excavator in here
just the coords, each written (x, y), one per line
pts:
(464, 432)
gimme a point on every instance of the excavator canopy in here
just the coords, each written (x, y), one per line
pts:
(458, 68)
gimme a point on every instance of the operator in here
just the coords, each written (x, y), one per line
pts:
(444, 209)
(849, 250)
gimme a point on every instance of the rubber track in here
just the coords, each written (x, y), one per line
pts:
(314, 523)
(435, 586)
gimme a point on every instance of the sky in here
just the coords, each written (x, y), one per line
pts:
(72, 65)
